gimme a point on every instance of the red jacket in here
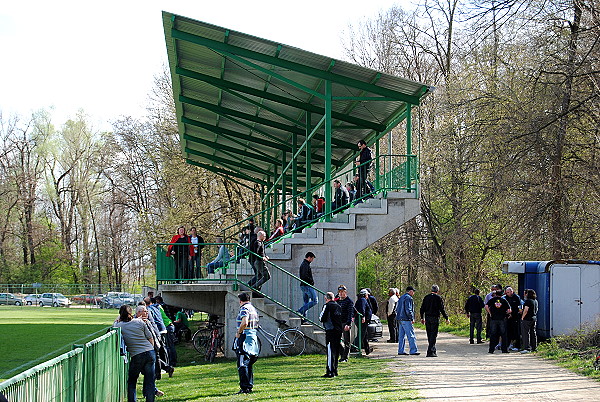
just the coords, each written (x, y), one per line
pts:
(174, 240)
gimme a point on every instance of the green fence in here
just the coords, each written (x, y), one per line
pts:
(91, 372)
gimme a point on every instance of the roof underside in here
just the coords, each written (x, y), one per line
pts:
(241, 101)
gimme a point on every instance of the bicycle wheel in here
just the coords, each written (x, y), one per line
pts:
(201, 340)
(291, 342)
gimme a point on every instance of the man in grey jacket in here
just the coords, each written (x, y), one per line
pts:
(405, 315)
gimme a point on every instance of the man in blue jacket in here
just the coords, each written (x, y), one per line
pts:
(405, 315)
(362, 319)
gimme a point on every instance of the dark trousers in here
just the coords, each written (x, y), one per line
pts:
(364, 336)
(362, 189)
(528, 329)
(391, 319)
(244, 366)
(182, 265)
(345, 352)
(169, 340)
(475, 323)
(498, 331)
(195, 272)
(332, 343)
(432, 324)
(513, 331)
(141, 363)
(261, 274)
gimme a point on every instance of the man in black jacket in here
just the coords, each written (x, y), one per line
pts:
(340, 197)
(362, 319)
(347, 306)
(473, 308)
(430, 311)
(364, 164)
(258, 258)
(309, 294)
(331, 317)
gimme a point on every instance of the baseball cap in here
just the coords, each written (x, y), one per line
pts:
(409, 288)
(342, 287)
(364, 292)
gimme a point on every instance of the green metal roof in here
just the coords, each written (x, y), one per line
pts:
(241, 100)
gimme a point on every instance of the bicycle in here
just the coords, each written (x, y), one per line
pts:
(290, 342)
(209, 340)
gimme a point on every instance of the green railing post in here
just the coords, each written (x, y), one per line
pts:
(360, 317)
(294, 167)
(308, 158)
(408, 145)
(283, 164)
(389, 169)
(377, 164)
(328, 155)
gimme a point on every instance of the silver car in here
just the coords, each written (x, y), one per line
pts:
(9, 298)
(32, 299)
(54, 300)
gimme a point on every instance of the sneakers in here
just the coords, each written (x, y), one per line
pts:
(244, 391)
(525, 351)
(415, 354)
(344, 361)
(391, 341)
(514, 349)
(328, 375)
(480, 341)
(403, 354)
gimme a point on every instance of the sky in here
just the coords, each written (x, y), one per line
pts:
(102, 56)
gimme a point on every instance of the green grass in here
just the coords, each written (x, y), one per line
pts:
(577, 361)
(283, 378)
(32, 335)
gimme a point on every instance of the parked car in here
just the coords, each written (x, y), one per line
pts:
(54, 300)
(9, 298)
(375, 328)
(32, 299)
(116, 300)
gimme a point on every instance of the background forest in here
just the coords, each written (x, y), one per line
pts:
(508, 144)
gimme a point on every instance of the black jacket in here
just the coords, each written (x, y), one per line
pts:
(363, 307)
(306, 273)
(474, 304)
(257, 247)
(347, 306)
(433, 306)
(331, 317)
(365, 156)
(340, 197)
(373, 304)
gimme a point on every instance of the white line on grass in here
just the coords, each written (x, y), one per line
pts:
(7, 374)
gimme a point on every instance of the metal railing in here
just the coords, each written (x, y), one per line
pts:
(388, 173)
(91, 372)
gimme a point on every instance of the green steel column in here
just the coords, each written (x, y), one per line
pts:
(262, 205)
(283, 195)
(328, 134)
(294, 168)
(408, 144)
(377, 186)
(390, 167)
(308, 159)
(267, 214)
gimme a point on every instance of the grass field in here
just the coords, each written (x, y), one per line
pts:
(283, 378)
(32, 335)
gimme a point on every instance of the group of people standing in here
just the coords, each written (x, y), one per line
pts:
(511, 321)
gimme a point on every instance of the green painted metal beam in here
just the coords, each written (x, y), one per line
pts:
(226, 162)
(219, 146)
(301, 68)
(248, 137)
(328, 135)
(225, 172)
(231, 112)
(308, 107)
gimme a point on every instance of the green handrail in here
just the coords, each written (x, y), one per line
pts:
(395, 176)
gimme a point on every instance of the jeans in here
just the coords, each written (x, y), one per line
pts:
(211, 266)
(310, 299)
(195, 266)
(528, 329)
(475, 323)
(498, 330)
(142, 363)
(405, 328)
(244, 365)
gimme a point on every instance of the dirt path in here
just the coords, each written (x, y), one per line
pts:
(465, 372)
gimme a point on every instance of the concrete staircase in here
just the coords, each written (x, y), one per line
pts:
(335, 244)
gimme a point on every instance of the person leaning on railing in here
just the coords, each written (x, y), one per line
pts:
(140, 345)
(278, 231)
